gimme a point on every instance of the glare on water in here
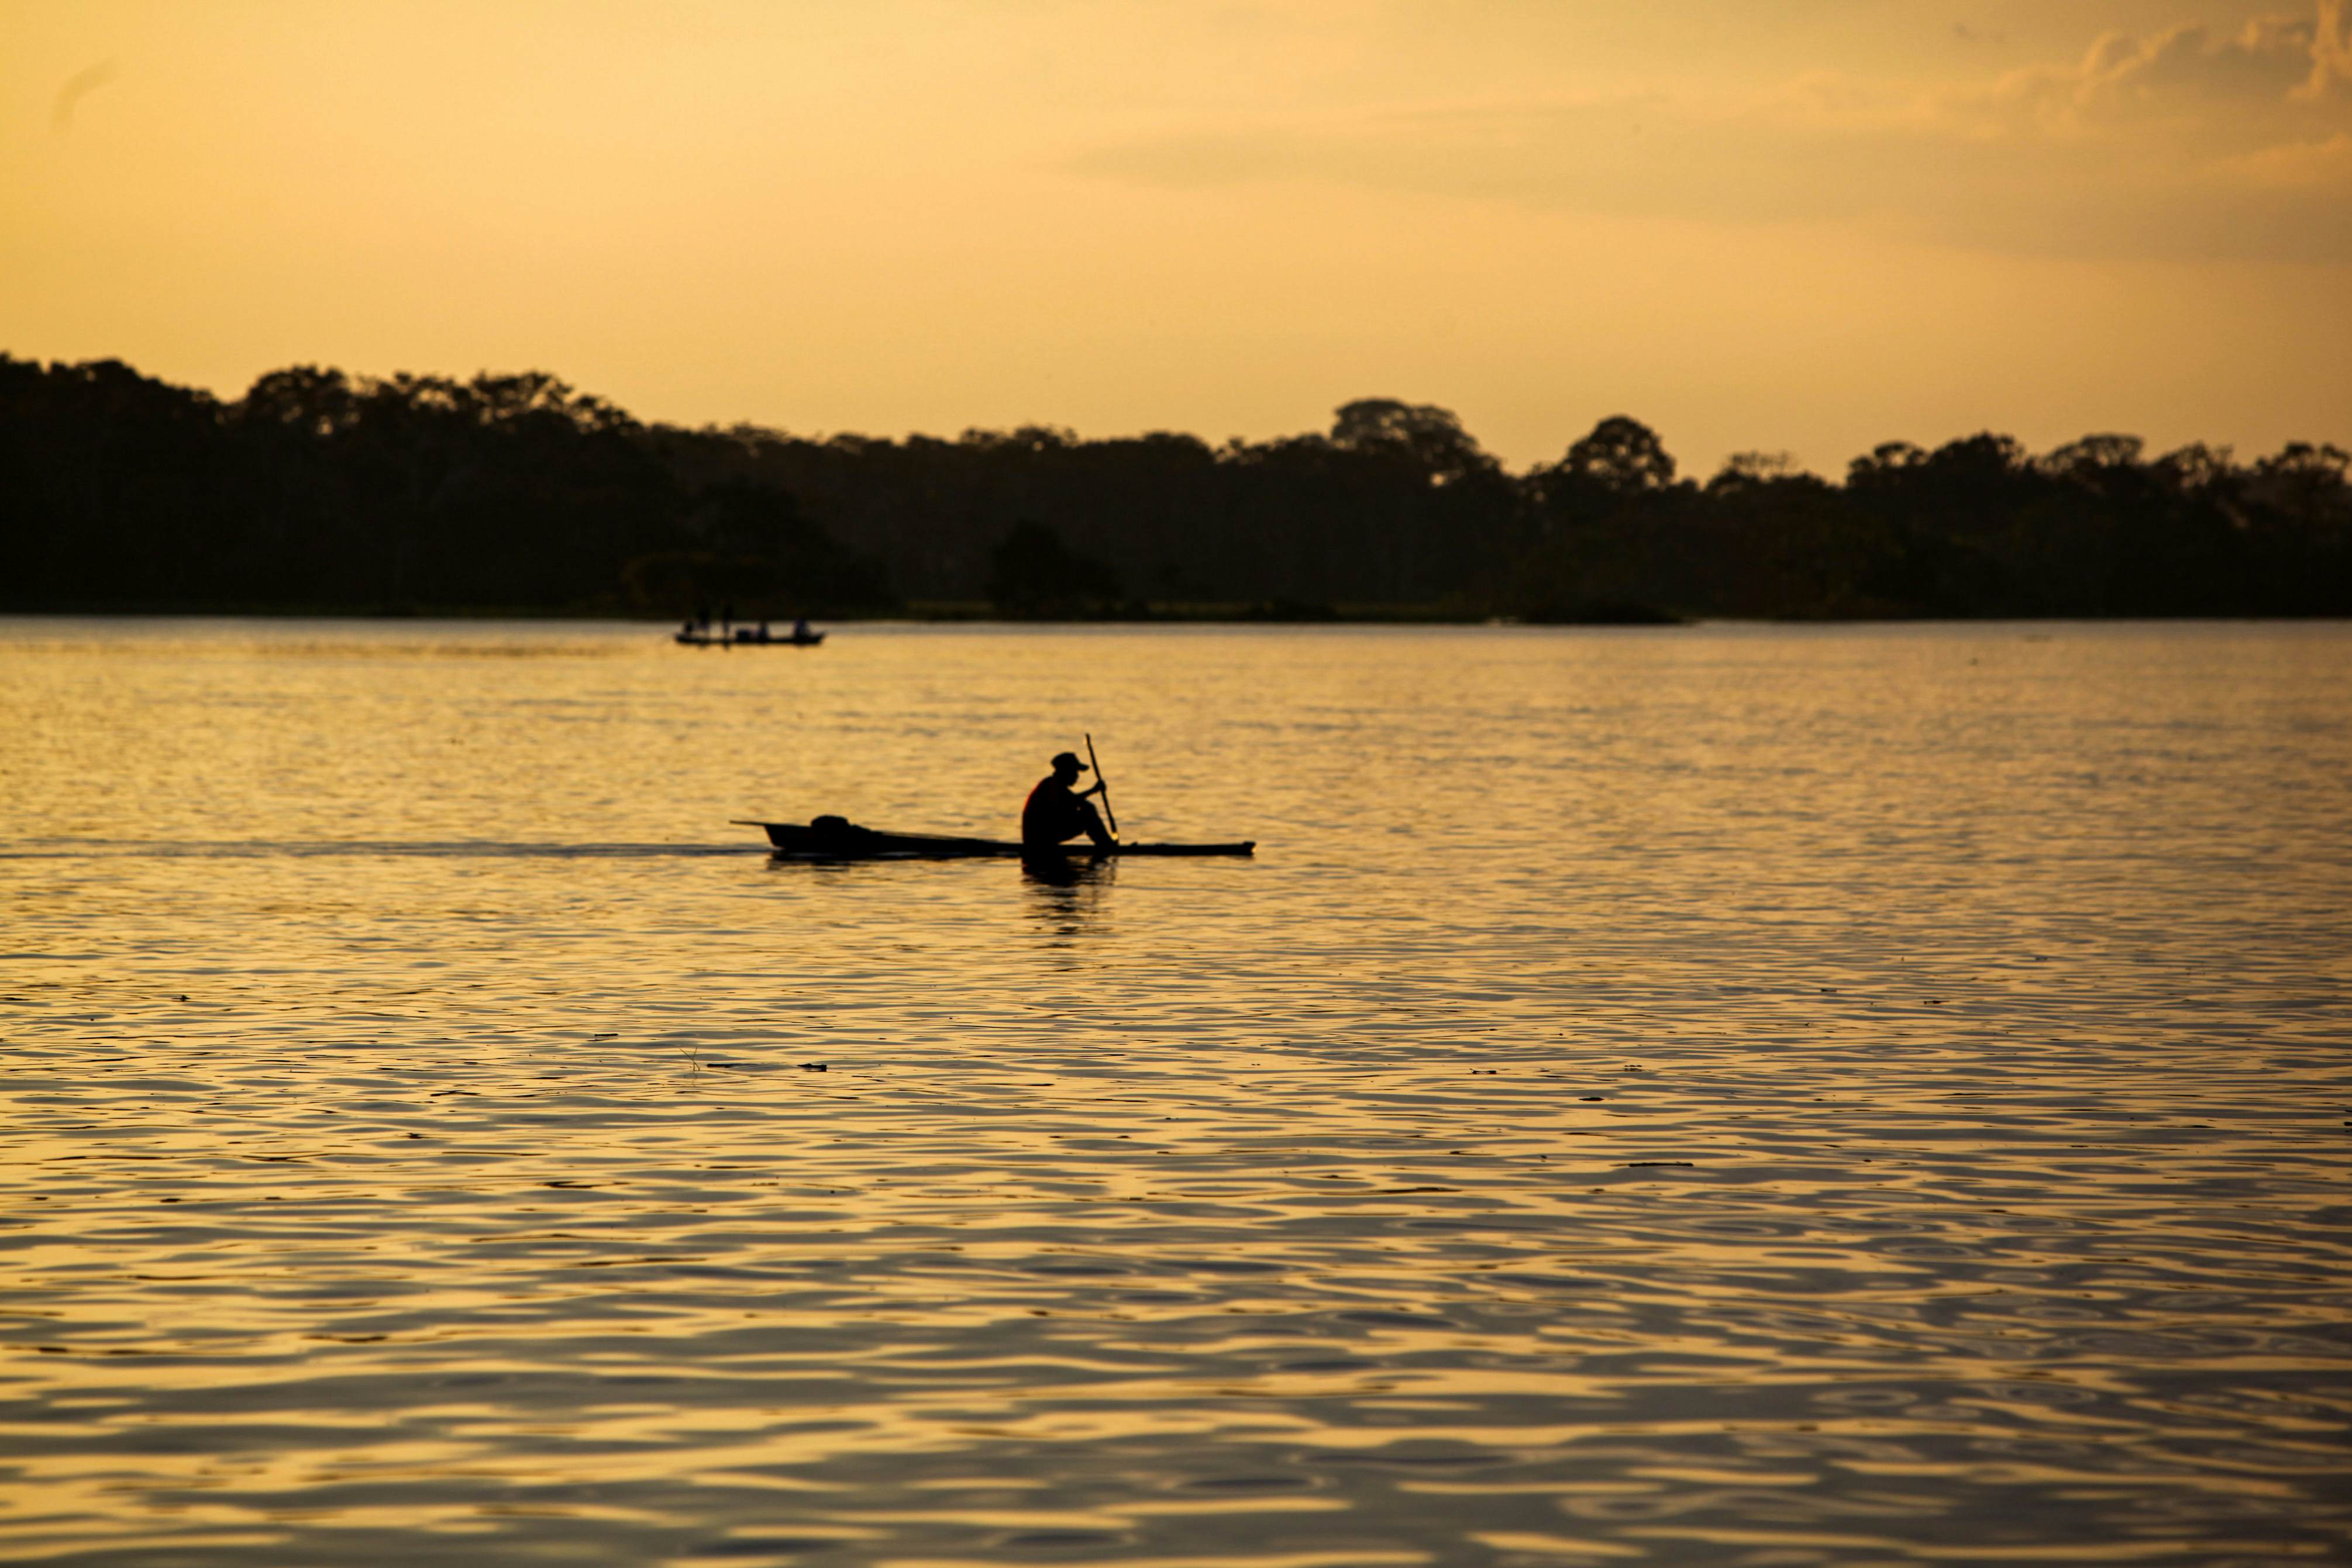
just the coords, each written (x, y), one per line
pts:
(1712, 1095)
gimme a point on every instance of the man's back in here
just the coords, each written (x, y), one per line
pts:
(1051, 814)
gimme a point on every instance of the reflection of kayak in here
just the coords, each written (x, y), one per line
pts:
(836, 838)
(746, 638)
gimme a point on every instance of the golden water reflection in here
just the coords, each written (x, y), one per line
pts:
(1713, 1096)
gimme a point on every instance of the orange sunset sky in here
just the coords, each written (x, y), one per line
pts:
(1784, 224)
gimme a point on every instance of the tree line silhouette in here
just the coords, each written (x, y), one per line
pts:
(321, 491)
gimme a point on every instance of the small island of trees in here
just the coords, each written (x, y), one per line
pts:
(318, 491)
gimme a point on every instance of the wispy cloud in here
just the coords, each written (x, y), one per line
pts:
(2180, 143)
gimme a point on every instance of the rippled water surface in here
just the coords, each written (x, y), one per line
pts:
(1700, 1096)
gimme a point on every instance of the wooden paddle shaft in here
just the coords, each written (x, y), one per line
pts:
(1109, 816)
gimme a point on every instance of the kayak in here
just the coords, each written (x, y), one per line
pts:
(837, 839)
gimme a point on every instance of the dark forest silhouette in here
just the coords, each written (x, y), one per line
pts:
(321, 491)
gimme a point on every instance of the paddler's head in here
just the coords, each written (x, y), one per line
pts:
(1067, 767)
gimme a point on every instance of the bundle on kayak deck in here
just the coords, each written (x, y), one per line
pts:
(839, 839)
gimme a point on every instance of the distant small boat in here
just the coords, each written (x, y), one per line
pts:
(838, 839)
(746, 637)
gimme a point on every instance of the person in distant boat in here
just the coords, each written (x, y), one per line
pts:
(800, 629)
(1056, 813)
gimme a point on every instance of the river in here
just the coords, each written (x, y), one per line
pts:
(1731, 1097)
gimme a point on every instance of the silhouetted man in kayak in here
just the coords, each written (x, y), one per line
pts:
(1056, 813)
